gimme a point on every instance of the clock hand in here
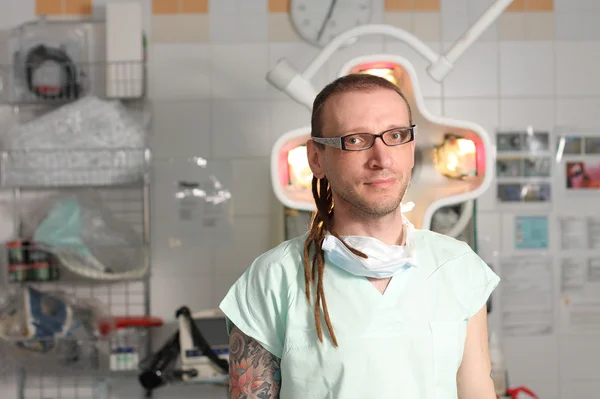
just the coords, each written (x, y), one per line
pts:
(327, 18)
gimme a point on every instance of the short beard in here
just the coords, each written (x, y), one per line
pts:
(364, 211)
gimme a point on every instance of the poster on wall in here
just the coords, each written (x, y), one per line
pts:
(579, 233)
(527, 296)
(582, 175)
(523, 141)
(524, 192)
(531, 232)
(523, 167)
(580, 295)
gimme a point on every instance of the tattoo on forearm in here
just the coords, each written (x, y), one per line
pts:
(254, 373)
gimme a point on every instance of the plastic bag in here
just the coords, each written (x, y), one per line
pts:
(43, 329)
(86, 238)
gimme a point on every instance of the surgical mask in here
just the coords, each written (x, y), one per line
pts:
(384, 261)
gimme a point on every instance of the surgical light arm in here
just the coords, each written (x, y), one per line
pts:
(297, 85)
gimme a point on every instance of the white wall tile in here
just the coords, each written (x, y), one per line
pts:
(253, 28)
(377, 12)
(251, 238)
(252, 6)
(484, 112)
(449, 6)
(576, 69)
(541, 361)
(224, 28)
(238, 71)
(590, 26)
(475, 74)
(180, 28)
(171, 291)
(240, 129)
(286, 115)
(512, 27)
(569, 25)
(222, 6)
(475, 10)
(429, 87)
(540, 26)
(179, 71)
(454, 25)
(521, 113)
(5, 15)
(181, 128)
(238, 28)
(526, 69)
(581, 112)
(580, 5)
(251, 189)
(280, 28)
(400, 19)
(578, 388)
(21, 12)
(179, 251)
(427, 26)
(223, 282)
(579, 358)
(433, 105)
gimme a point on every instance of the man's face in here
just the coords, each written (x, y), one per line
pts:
(373, 181)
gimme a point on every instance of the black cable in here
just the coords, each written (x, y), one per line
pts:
(200, 342)
(70, 89)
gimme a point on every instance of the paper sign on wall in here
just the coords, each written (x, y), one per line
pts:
(531, 232)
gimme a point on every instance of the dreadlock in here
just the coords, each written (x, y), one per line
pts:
(322, 219)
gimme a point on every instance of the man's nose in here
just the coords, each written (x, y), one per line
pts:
(380, 154)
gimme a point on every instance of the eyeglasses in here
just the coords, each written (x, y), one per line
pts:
(364, 141)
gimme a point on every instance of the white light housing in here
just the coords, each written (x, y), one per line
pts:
(287, 79)
(429, 189)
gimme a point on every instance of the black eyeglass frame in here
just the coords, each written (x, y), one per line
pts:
(338, 142)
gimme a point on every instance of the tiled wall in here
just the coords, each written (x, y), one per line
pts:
(208, 59)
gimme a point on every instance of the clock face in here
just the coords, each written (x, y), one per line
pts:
(319, 21)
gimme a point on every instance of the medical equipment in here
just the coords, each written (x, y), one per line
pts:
(298, 87)
(453, 159)
(453, 162)
(201, 344)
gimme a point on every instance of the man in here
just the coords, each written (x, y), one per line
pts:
(363, 305)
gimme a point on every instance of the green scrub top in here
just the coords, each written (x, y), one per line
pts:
(406, 343)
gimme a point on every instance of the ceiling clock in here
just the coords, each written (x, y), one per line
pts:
(319, 21)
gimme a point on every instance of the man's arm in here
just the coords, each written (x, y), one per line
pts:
(474, 375)
(253, 371)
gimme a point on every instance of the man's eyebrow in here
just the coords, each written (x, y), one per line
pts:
(361, 129)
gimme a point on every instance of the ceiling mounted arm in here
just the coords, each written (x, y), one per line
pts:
(297, 85)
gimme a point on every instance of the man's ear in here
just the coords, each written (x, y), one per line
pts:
(412, 153)
(315, 155)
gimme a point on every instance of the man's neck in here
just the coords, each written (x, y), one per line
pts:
(387, 229)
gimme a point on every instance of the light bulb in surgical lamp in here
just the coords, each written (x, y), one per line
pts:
(386, 70)
(299, 169)
(456, 157)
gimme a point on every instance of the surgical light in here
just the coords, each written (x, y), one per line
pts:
(456, 157)
(300, 174)
(386, 70)
(298, 87)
